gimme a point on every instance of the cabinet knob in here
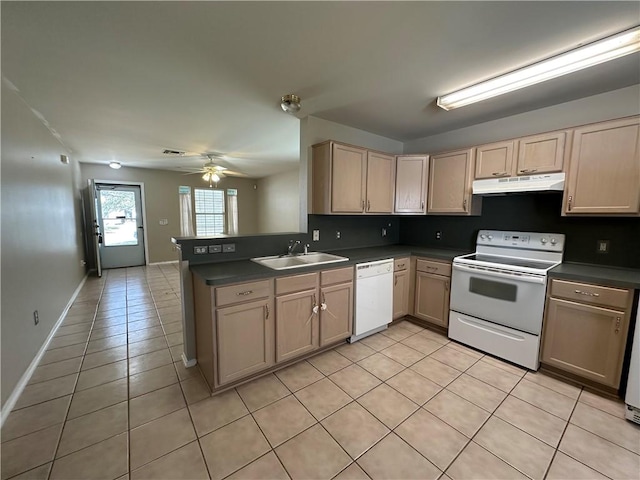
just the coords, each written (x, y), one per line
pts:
(569, 202)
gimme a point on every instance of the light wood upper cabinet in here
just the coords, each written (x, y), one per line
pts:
(296, 324)
(494, 160)
(244, 336)
(348, 169)
(411, 183)
(351, 180)
(604, 170)
(450, 178)
(541, 153)
(380, 183)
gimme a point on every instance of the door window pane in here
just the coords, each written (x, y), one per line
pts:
(119, 218)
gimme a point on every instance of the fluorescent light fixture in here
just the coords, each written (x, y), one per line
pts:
(589, 55)
(115, 165)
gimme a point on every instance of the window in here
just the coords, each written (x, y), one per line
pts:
(210, 211)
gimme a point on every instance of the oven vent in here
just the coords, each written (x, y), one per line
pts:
(531, 183)
(633, 414)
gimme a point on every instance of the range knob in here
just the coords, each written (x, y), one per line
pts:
(553, 241)
(543, 241)
(490, 237)
(483, 236)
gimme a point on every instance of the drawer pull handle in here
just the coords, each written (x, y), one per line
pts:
(588, 294)
(422, 206)
(499, 174)
(266, 310)
(464, 205)
(395, 281)
(244, 294)
(446, 286)
(368, 205)
(528, 170)
(618, 319)
(362, 204)
(401, 265)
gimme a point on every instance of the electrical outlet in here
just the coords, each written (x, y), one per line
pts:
(83, 263)
(438, 235)
(603, 246)
(384, 232)
(337, 234)
(36, 317)
(316, 235)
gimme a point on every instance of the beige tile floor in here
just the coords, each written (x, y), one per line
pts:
(112, 400)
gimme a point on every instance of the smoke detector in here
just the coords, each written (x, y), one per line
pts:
(173, 152)
(290, 103)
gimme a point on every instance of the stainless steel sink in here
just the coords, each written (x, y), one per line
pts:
(296, 261)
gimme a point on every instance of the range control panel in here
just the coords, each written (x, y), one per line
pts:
(551, 242)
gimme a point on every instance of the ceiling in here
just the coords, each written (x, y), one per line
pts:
(125, 80)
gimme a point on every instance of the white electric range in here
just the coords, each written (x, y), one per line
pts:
(498, 293)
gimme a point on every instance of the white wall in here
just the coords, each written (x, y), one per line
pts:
(605, 106)
(279, 202)
(42, 243)
(315, 130)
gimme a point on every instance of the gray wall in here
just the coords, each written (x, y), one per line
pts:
(279, 202)
(41, 235)
(605, 106)
(161, 201)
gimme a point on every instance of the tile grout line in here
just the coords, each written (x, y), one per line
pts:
(555, 452)
(66, 415)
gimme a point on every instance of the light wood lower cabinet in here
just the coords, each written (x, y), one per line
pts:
(585, 339)
(432, 292)
(336, 313)
(296, 324)
(401, 286)
(248, 328)
(244, 336)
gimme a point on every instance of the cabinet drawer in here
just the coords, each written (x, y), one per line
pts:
(593, 294)
(436, 268)
(296, 283)
(242, 292)
(339, 275)
(400, 264)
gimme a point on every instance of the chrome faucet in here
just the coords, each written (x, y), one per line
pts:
(292, 246)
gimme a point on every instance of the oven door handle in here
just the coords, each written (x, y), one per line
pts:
(490, 273)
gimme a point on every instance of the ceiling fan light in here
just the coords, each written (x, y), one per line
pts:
(589, 55)
(290, 103)
(115, 165)
(207, 176)
(215, 177)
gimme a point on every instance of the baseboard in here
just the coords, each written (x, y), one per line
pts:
(163, 263)
(26, 376)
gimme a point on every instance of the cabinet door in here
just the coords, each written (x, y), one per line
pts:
(494, 160)
(432, 298)
(411, 184)
(380, 183)
(585, 340)
(336, 319)
(348, 167)
(244, 339)
(604, 172)
(449, 188)
(541, 153)
(400, 294)
(296, 325)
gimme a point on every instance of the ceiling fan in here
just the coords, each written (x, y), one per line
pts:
(213, 170)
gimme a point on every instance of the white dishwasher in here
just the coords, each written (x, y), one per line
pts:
(374, 298)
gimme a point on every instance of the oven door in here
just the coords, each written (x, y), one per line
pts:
(514, 300)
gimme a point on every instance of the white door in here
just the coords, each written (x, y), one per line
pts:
(120, 222)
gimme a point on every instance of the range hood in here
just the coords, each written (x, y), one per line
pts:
(530, 183)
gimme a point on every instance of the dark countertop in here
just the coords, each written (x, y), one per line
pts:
(245, 270)
(613, 276)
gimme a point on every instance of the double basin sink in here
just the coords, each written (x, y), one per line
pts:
(280, 262)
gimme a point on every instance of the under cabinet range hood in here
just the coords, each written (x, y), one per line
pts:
(530, 183)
